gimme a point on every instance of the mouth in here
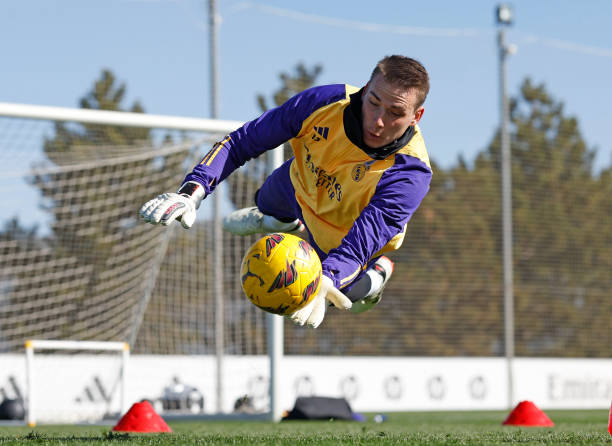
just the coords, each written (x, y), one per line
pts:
(372, 139)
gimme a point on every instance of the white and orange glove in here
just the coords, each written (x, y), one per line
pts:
(313, 313)
(181, 206)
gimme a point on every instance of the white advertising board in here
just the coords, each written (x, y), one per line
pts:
(564, 383)
(370, 384)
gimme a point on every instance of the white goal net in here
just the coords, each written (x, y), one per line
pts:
(76, 262)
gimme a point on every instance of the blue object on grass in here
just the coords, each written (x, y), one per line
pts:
(358, 417)
(380, 417)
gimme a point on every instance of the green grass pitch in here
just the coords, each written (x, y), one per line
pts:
(589, 427)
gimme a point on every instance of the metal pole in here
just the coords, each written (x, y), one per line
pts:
(506, 190)
(275, 326)
(30, 417)
(125, 356)
(214, 76)
(217, 230)
(275, 354)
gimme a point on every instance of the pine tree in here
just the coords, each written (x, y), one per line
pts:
(94, 186)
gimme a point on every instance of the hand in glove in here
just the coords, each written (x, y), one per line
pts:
(181, 206)
(313, 313)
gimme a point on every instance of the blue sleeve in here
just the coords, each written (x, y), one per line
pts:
(398, 195)
(270, 130)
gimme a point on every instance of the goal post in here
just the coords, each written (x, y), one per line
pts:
(275, 331)
(49, 375)
(96, 272)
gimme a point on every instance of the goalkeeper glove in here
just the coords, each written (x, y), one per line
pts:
(313, 313)
(166, 208)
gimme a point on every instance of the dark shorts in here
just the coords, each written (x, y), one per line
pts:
(276, 197)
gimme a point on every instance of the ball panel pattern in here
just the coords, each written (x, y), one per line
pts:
(280, 273)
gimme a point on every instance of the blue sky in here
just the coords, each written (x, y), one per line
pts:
(52, 51)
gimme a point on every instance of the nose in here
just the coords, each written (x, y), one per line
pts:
(378, 119)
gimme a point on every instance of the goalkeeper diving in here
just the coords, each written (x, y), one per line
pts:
(358, 173)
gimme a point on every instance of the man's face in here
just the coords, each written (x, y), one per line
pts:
(387, 112)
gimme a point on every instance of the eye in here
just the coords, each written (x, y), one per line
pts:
(396, 113)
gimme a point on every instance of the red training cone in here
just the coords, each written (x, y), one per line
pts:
(142, 418)
(527, 414)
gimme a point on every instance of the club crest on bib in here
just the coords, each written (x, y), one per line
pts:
(359, 172)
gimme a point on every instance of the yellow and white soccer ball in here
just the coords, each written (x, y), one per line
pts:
(280, 273)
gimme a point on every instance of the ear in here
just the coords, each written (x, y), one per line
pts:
(365, 89)
(418, 114)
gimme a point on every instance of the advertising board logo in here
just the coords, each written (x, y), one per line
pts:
(349, 387)
(258, 387)
(303, 386)
(393, 387)
(436, 387)
(478, 387)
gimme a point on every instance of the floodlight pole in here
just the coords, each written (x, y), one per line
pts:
(504, 18)
(217, 230)
(214, 74)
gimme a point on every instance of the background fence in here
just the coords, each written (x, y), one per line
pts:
(91, 270)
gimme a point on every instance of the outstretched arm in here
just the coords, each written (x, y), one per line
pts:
(269, 131)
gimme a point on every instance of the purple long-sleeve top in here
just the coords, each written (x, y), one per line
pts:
(354, 201)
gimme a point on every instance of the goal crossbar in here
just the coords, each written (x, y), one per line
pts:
(39, 344)
(126, 119)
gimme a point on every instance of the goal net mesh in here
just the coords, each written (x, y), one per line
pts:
(77, 263)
